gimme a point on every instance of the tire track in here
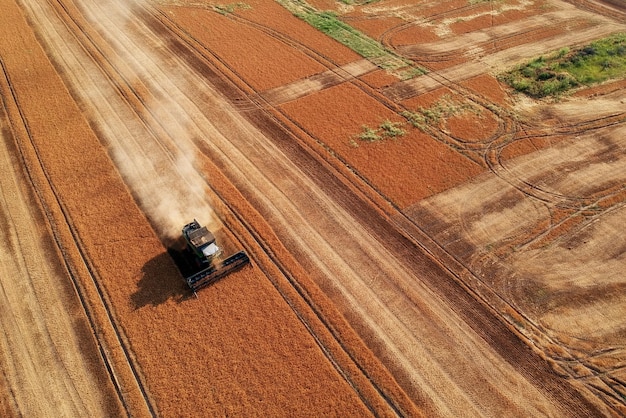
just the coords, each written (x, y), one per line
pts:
(57, 235)
(362, 204)
(344, 197)
(250, 176)
(138, 101)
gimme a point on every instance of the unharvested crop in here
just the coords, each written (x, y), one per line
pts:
(354, 280)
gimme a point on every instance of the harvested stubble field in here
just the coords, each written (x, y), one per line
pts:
(430, 244)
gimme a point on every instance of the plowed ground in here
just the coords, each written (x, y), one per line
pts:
(459, 269)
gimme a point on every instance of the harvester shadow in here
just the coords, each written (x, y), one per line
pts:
(162, 280)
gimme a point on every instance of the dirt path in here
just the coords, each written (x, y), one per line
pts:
(309, 85)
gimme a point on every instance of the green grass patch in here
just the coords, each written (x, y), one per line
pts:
(329, 23)
(409, 73)
(386, 129)
(391, 129)
(369, 135)
(566, 69)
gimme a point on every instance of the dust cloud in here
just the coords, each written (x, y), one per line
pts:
(154, 154)
(170, 197)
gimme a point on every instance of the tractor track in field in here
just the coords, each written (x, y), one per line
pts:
(610, 9)
(493, 159)
(388, 34)
(424, 56)
(578, 205)
(461, 304)
(506, 124)
(494, 44)
(576, 212)
(488, 326)
(327, 62)
(57, 233)
(138, 102)
(476, 50)
(449, 49)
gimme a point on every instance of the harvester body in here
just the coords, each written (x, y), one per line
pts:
(201, 241)
(202, 244)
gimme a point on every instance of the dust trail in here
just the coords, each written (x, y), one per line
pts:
(163, 179)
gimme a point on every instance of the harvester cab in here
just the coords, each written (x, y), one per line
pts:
(201, 242)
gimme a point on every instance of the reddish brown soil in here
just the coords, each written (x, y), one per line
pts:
(378, 79)
(347, 298)
(439, 65)
(324, 4)
(245, 49)
(518, 148)
(376, 27)
(605, 88)
(477, 24)
(467, 25)
(405, 169)
(527, 145)
(472, 127)
(484, 19)
(412, 35)
(469, 123)
(246, 38)
(437, 9)
(487, 86)
(275, 17)
(428, 99)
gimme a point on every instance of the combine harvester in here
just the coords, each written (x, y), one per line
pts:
(202, 243)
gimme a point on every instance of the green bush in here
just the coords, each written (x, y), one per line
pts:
(368, 134)
(563, 70)
(391, 129)
(386, 129)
